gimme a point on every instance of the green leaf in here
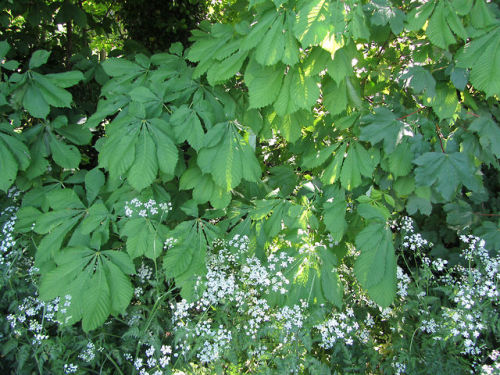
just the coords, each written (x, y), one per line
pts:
(312, 25)
(118, 153)
(166, 151)
(64, 155)
(187, 126)
(270, 50)
(332, 286)
(489, 133)
(144, 169)
(375, 267)
(228, 157)
(53, 95)
(94, 181)
(96, 301)
(438, 31)
(116, 67)
(419, 16)
(34, 102)
(8, 166)
(400, 161)
(283, 177)
(445, 103)
(122, 260)
(490, 232)
(383, 125)
(38, 58)
(334, 210)
(143, 238)
(420, 80)
(65, 79)
(357, 163)
(263, 83)
(483, 57)
(121, 289)
(446, 172)
(97, 215)
(226, 69)
(420, 201)
(335, 96)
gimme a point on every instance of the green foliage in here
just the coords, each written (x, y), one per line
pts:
(308, 127)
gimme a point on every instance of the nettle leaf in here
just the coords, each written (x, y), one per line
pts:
(482, 56)
(144, 237)
(375, 267)
(228, 157)
(264, 83)
(334, 210)
(384, 125)
(489, 133)
(446, 172)
(96, 281)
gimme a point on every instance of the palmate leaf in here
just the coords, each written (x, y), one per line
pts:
(383, 125)
(67, 211)
(140, 147)
(96, 280)
(228, 157)
(489, 133)
(351, 167)
(438, 30)
(185, 261)
(446, 172)
(375, 267)
(187, 126)
(144, 237)
(204, 188)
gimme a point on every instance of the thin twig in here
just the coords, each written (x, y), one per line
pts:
(481, 214)
(405, 116)
(440, 136)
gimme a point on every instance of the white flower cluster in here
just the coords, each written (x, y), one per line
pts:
(70, 368)
(7, 240)
(415, 241)
(144, 273)
(239, 280)
(403, 283)
(33, 314)
(290, 320)
(89, 352)
(340, 328)
(153, 362)
(146, 209)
